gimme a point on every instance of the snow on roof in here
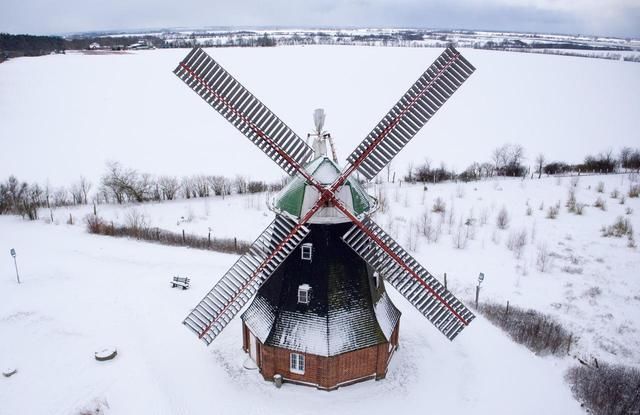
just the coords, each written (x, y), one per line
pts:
(345, 313)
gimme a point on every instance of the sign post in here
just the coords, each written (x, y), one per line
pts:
(13, 254)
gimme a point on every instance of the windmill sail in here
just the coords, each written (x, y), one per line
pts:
(411, 113)
(414, 282)
(242, 109)
(243, 279)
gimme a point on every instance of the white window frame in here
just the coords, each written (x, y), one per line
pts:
(303, 289)
(306, 251)
(296, 363)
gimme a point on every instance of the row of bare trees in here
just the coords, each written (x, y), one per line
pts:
(24, 199)
(509, 160)
(120, 184)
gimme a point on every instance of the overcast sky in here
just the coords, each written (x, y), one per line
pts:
(600, 17)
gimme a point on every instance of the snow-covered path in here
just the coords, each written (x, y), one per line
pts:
(82, 292)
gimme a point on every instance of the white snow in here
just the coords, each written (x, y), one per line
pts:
(66, 115)
(81, 291)
(63, 116)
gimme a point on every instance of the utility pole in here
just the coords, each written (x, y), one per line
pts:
(15, 262)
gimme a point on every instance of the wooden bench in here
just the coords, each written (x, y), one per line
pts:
(180, 282)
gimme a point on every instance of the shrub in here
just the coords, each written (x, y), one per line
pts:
(580, 208)
(552, 212)
(517, 241)
(538, 332)
(543, 258)
(621, 227)
(502, 220)
(634, 190)
(571, 200)
(142, 231)
(572, 270)
(600, 187)
(439, 206)
(606, 389)
(615, 193)
(600, 203)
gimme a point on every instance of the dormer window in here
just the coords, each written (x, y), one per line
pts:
(303, 294)
(306, 250)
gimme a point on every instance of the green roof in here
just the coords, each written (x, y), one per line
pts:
(325, 171)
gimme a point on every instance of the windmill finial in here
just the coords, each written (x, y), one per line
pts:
(318, 118)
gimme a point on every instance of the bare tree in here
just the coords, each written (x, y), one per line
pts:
(625, 156)
(188, 187)
(201, 185)
(169, 187)
(76, 193)
(120, 183)
(499, 156)
(410, 172)
(85, 187)
(240, 183)
(540, 161)
(219, 185)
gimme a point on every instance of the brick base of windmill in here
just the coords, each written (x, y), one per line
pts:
(323, 372)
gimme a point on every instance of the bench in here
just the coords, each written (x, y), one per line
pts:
(180, 282)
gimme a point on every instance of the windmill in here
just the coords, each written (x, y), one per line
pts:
(320, 313)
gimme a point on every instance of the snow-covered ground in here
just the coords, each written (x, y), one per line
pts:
(81, 293)
(65, 115)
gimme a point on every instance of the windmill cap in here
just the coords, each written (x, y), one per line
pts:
(298, 196)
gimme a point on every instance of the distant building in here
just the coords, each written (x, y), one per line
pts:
(141, 44)
(94, 46)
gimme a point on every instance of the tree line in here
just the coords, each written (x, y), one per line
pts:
(119, 185)
(13, 46)
(509, 160)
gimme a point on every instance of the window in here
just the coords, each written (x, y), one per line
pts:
(306, 251)
(303, 294)
(376, 279)
(296, 363)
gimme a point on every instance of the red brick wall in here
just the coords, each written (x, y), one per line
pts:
(326, 372)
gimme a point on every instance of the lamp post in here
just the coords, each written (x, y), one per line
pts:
(15, 262)
(480, 279)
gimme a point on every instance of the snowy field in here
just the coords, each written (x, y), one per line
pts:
(81, 293)
(63, 116)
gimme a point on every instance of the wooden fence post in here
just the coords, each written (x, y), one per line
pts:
(183, 239)
(445, 280)
(209, 240)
